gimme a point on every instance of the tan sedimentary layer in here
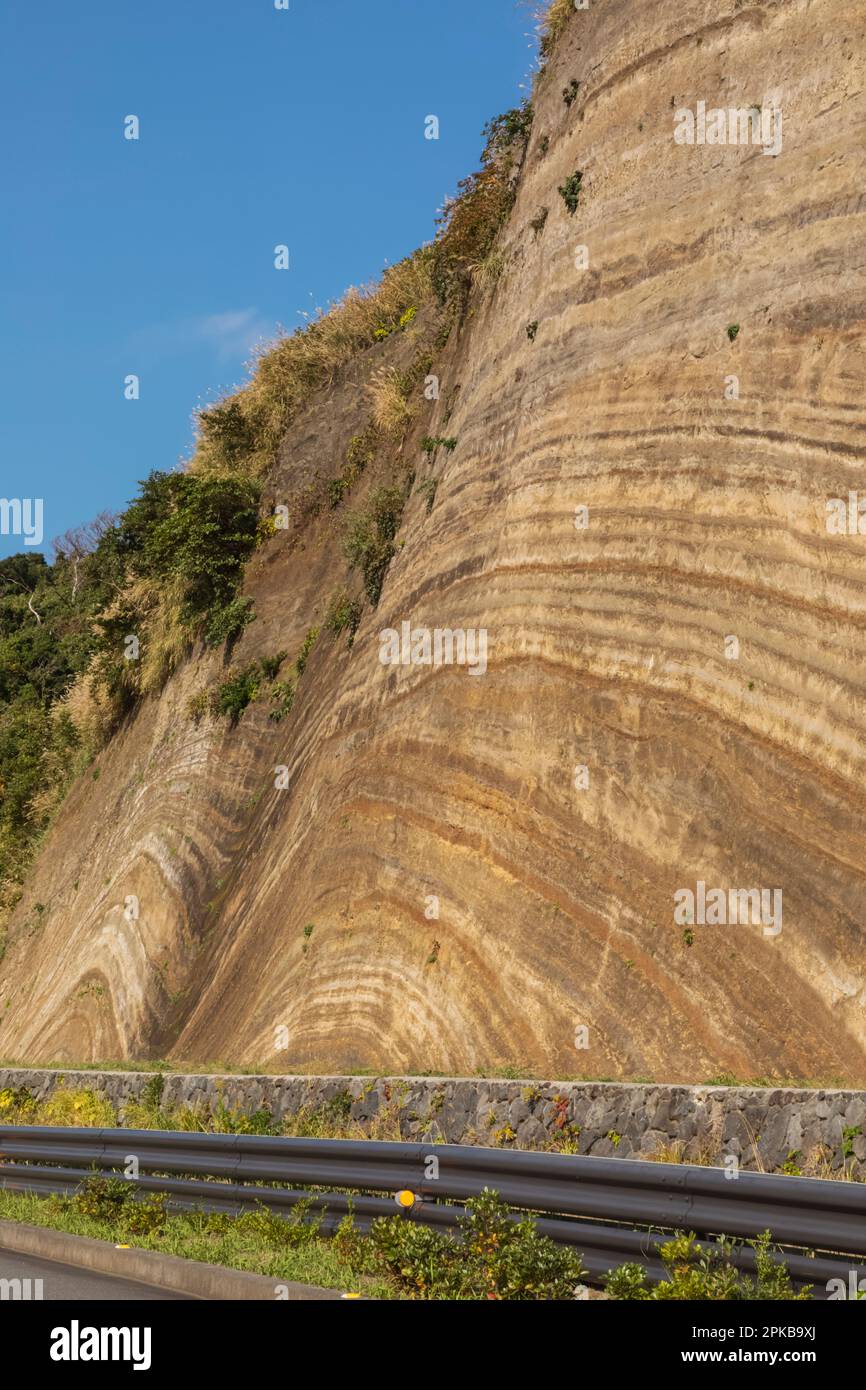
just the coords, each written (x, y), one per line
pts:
(607, 645)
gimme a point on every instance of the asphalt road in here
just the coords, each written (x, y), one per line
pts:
(68, 1283)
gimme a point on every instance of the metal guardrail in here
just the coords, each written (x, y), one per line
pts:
(612, 1209)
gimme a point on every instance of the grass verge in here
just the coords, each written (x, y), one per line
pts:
(252, 1242)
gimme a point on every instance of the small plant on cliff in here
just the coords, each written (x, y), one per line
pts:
(271, 664)
(343, 614)
(732, 331)
(570, 191)
(531, 330)
(306, 647)
(361, 450)
(553, 25)
(360, 453)
(538, 222)
(469, 223)
(385, 330)
(369, 542)
(488, 272)
(431, 443)
(569, 93)
(283, 696)
(427, 489)
(391, 408)
(233, 696)
(197, 706)
(504, 132)
(494, 1256)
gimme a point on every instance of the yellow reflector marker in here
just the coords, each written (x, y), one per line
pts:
(121, 1247)
(350, 1295)
(405, 1198)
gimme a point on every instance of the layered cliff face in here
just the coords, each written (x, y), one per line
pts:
(652, 406)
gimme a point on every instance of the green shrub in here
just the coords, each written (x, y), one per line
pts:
(227, 430)
(79, 1109)
(369, 542)
(571, 190)
(361, 450)
(337, 489)
(15, 1103)
(732, 330)
(283, 696)
(505, 132)
(343, 614)
(270, 665)
(696, 1273)
(233, 696)
(226, 624)
(103, 1197)
(48, 638)
(360, 453)
(431, 443)
(306, 647)
(198, 705)
(849, 1134)
(146, 1217)
(278, 1231)
(493, 1256)
(151, 1096)
(226, 1120)
(198, 532)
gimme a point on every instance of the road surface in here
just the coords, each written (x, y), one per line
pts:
(67, 1283)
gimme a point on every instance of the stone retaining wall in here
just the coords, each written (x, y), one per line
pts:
(764, 1128)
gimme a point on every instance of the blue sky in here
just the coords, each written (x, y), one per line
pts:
(155, 257)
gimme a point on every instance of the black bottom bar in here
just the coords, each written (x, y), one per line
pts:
(252, 1339)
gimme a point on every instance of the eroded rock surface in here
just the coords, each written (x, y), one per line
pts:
(607, 645)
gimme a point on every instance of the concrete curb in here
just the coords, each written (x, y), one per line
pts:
(191, 1277)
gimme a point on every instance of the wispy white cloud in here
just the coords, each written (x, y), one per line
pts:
(229, 336)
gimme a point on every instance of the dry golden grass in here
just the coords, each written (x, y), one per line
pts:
(163, 636)
(553, 20)
(90, 710)
(391, 409)
(245, 429)
(675, 1152)
(488, 271)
